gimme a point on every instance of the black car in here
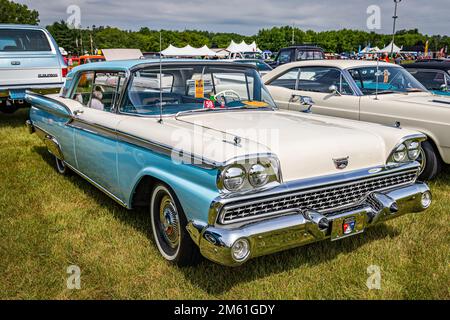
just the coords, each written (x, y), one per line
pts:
(298, 53)
(435, 76)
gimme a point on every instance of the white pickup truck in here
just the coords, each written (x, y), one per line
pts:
(29, 60)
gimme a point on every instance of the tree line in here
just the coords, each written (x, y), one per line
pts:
(82, 40)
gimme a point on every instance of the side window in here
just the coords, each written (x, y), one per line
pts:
(284, 57)
(287, 80)
(432, 80)
(319, 79)
(107, 90)
(83, 90)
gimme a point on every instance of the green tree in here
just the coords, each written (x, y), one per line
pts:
(11, 12)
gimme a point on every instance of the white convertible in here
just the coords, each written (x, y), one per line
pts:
(368, 91)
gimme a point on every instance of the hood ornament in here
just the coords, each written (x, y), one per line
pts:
(341, 163)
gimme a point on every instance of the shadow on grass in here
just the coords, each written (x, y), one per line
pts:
(15, 120)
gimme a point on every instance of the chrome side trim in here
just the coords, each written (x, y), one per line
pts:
(98, 186)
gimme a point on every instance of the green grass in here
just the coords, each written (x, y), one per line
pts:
(49, 222)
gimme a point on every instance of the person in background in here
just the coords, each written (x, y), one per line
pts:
(398, 59)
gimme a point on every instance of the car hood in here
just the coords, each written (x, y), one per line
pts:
(306, 145)
(422, 98)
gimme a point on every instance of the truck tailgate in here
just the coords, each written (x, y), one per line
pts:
(22, 69)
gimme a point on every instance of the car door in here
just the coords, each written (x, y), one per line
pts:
(329, 90)
(327, 86)
(95, 122)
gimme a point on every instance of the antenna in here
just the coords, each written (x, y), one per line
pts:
(377, 74)
(160, 79)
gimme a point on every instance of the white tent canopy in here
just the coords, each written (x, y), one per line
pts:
(242, 47)
(188, 51)
(391, 48)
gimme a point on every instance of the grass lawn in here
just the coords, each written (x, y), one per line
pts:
(49, 222)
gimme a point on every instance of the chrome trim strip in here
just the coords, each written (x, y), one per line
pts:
(95, 184)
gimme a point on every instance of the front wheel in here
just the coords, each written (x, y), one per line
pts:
(430, 162)
(169, 228)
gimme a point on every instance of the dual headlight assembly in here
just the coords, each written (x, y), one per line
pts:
(408, 151)
(249, 174)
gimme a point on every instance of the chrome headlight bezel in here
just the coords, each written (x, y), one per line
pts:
(407, 150)
(261, 172)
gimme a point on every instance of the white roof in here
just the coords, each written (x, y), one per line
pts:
(242, 47)
(391, 46)
(188, 51)
(122, 54)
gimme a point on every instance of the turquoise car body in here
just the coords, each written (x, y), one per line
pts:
(118, 167)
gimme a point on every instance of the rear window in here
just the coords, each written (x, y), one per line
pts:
(12, 40)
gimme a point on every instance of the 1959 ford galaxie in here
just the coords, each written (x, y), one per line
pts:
(382, 92)
(224, 173)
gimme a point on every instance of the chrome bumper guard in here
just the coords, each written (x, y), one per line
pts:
(300, 228)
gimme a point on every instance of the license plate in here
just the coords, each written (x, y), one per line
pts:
(347, 226)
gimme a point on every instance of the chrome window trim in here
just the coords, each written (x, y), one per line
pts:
(308, 184)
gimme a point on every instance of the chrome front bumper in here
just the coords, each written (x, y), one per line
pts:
(300, 228)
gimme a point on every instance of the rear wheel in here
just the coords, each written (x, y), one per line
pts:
(430, 162)
(169, 228)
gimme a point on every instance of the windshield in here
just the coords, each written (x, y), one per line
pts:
(260, 65)
(385, 80)
(194, 88)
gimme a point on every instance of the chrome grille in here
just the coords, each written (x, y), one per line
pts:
(324, 200)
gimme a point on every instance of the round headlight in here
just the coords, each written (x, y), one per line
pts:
(258, 175)
(240, 250)
(233, 178)
(400, 153)
(413, 150)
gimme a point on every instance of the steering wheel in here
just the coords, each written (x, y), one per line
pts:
(228, 96)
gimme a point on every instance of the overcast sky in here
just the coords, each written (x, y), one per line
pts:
(248, 16)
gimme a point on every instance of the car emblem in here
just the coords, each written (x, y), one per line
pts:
(341, 163)
(348, 226)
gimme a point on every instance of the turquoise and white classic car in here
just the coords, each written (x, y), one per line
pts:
(223, 172)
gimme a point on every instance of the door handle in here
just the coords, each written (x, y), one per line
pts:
(77, 112)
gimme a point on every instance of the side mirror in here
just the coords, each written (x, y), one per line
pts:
(334, 90)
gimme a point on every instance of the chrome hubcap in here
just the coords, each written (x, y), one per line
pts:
(422, 160)
(169, 222)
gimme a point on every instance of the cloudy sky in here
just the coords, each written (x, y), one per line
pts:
(248, 16)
